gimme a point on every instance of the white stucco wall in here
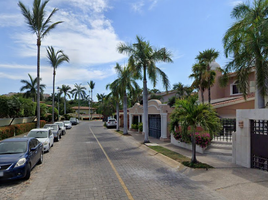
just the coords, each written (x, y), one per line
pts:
(242, 138)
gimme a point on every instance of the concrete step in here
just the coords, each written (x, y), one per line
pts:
(217, 151)
(220, 146)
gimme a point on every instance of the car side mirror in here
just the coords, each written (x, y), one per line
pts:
(33, 149)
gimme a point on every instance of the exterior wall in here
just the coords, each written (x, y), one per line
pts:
(242, 138)
(217, 92)
(230, 111)
(6, 121)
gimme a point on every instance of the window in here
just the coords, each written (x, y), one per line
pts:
(234, 88)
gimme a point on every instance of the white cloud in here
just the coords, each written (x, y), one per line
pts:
(138, 6)
(153, 4)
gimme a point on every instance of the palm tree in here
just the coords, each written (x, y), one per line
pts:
(125, 83)
(55, 59)
(91, 85)
(79, 91)
(188, 113)
(246, 42)
(66, 91)
(207, 57)
(198, 75)
(115, 94)
(142, 61)
(31, 88)
(41, 27)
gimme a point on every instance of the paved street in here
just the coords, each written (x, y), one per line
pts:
(92, 162)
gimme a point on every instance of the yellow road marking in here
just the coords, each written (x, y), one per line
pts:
(113, 167)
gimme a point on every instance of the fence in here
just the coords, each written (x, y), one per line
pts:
(229, 126)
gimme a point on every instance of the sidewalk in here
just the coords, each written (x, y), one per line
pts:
(231, 181)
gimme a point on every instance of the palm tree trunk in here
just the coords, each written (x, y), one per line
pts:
(38, 83)
(193, 160)
(79, 106)
(64, 104)
(91, 102)
(117, 116)
(202, 95)
(53, 95)
(209, 98)
(125, 114)
(145, 109)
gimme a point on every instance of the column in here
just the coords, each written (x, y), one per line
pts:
(163, 126)
(130, 121)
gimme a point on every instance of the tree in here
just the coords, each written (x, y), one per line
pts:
(206, 58)
(246, 42)
(55, 59)
(125, 83)
(142, 61)
(91, 85)
(182, 90)
(188, 113)
(66, 91)
(79, 91)
(31, 88)
(41, 27)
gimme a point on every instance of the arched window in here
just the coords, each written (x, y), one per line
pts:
(234, 88)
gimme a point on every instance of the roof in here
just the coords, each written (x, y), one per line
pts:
(216, 103)
(83, 108)
(17, 139)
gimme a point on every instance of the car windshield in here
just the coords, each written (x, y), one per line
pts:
(13, 147)
(52, 126)
(73, 119)
(60, 124)
(38, 134)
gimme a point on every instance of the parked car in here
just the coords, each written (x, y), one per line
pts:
(55, 130)
(67, 124)
(62, 127)
(111, 122)
(44, 135)
(18, 156)
(74, 121)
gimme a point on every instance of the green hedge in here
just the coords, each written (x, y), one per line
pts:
(8, 131)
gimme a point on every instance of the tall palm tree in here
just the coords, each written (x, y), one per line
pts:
(66, 91)
(207, 57)
(125, 83)
(41, 27)
(142, 60)
(55, 59)
(198, 75)
(31, 88)
(115, 94)
(79, 92)
(188, 113)
(91, 85)
(246, 42)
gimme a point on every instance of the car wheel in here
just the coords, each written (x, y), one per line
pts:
(48, 148)
(40, 161)
(28, 171)
(58, 138)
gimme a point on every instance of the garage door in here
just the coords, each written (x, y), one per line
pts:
(155, 126)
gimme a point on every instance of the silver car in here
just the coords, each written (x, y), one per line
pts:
(67, 124)
(62, 127)
(111, 123)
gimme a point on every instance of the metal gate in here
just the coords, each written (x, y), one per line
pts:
(259, 144)
(155, 126)
(228, 127)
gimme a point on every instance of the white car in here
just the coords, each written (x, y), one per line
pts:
(67, 124)
(111, 122)
(62, 127)
(43, 135)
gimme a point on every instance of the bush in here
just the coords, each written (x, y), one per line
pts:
(140, 127)
(202, 138)
(134, 126)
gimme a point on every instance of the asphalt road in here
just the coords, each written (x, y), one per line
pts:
(92, 162)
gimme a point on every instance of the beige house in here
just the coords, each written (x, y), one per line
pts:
(84, 112)
(158, 118)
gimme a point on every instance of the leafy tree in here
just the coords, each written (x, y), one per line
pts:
(31, 88)
(14, 107)
(142, 61)
(78, 92)
(246, 43)
(188, 113)
(3, 106)
(55, 59)
(66, 91)
(41, 27)
(182, 91)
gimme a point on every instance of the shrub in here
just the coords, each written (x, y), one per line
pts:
(140, 127)
(202, 138)
(134, 126)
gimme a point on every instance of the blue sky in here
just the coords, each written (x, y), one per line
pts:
(92, 29)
